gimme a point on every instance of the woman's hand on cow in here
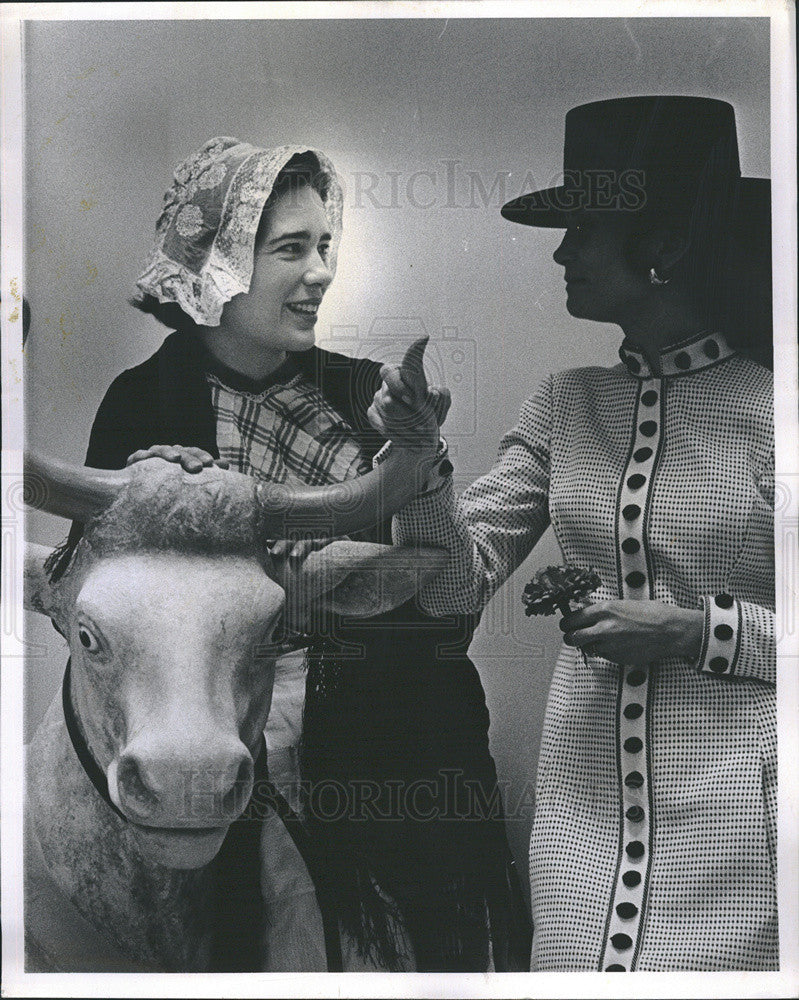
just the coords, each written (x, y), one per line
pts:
(404, 409)
(191, 459)
(634, 631)
(295, 552)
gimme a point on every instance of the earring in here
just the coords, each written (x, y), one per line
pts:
(655, 280)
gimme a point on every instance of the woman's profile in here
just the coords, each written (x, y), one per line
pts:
(653, 842)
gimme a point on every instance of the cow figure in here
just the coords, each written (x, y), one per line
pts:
(170, 604)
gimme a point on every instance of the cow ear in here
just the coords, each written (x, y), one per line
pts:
(364, 579)
(37, 591)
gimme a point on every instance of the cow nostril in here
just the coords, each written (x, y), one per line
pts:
(235, 799)
(133, 791)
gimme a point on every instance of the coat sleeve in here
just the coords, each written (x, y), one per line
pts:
(739, 632)
(493, 526)
(121, 426)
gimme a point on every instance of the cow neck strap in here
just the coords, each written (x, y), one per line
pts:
(94, 772)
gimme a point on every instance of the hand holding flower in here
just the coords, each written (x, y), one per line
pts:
(634, 631)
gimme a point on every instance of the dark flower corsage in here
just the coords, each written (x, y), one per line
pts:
(554, 588)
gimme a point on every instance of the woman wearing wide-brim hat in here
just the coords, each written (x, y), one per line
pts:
(653, 843)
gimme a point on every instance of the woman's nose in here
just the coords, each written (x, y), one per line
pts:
(564, 251)
(318, 273)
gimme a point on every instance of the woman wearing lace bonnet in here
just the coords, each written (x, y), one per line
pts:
(245, 249)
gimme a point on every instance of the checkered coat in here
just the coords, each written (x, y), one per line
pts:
(653, 844)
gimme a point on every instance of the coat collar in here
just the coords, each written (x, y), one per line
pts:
(683, 358)
(242, 383)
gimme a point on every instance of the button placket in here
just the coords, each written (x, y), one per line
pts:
(625, 917)
(627, 903)
(635, 492)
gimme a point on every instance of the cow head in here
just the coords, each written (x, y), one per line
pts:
(170, 603)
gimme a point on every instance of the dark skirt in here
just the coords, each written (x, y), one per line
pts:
(402, 796)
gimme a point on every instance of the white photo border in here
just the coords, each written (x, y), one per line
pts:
(783, 158)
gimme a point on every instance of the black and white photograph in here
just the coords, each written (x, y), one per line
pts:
(400, 499)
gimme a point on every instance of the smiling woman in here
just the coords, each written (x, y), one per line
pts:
(245, 250)
(247, 277)
(290, 275)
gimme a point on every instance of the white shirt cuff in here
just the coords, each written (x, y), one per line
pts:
(721, 635)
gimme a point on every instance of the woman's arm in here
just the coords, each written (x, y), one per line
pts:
(493, 526)
(727, 636)
(739, 634)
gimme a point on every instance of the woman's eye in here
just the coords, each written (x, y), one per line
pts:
(324, 251)
(291, 248)
(88, 639)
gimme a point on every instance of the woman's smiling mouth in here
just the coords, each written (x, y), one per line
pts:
(303, 308)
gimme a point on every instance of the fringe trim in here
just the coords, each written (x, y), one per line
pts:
(448, 927)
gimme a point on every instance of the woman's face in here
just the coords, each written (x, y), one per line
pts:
(290, 276)
(601, 282)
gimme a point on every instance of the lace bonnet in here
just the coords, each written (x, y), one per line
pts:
(205, 235)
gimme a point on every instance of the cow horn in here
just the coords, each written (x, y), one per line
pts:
(76, 492)
(357, 578)
(343, 508)
(70, 490)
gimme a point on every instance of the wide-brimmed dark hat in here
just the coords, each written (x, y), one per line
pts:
(633, 153)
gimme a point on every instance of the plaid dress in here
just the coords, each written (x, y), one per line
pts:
(283, 431)
(653, 843)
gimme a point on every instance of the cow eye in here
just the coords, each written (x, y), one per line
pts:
(87, 639)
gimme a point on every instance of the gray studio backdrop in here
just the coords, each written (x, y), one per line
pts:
(432, 125)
